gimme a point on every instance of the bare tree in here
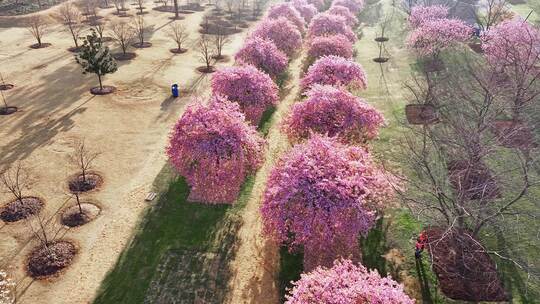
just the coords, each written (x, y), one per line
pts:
(140, 6)
(179, 34)
(120, 6)
(100, 27)
(176, 13)
(71, 17)
(206, 52)
(140, 30)
(83, 159)
(38, 27)
(491, 12)
(4, 101)
(14, 181)
(123, 34)
(460, 180)
(221, 38)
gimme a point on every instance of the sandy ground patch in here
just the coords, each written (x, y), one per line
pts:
(129, 127)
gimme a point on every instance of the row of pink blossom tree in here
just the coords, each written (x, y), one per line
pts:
(216, 146)
(328, 190)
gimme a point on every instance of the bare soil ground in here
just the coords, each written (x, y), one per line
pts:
(129, 127)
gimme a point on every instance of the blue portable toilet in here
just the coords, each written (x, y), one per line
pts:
(174, 89)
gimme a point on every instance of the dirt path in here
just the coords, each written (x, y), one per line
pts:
(256, 265)
(130, 128)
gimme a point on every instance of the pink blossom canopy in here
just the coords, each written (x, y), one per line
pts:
(337, 45)
(438, 34)
(325, 24)
(344, 12)
(346, 283)
(215, 149)
(252, 89)
(282, 33)
(334, 112)
(262, 54)
(319, 4)
(307, 11)
(355, 6)
(421, 14)
(513, 43)
(323, 193)
(336, 71)
(287, 11)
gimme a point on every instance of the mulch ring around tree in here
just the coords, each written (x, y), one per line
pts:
(476, 47)
(165, 9)
(16, 210)
(381, 39)
(124, 56)
(463, 268)
(473, 180)
(514, 134)
(8, 110)
(193, 7)
(50, 260)
(40, 46)
(73, 217)
(185, 12)
(102, 91)
(74, 49)
(421, 114)
(381, 59)
(142, 45)
(206, 70)
(6, 86)
(178, 51)
(90, 182)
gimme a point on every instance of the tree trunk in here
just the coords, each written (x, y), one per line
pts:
(101, 88)
(176, 9)
(78, 202)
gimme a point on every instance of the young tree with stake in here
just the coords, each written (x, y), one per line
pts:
(96, 58)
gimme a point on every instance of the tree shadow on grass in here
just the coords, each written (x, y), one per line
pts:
(180, 250)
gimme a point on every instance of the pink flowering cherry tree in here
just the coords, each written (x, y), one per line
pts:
(355, 6)
(264, 55)
(286, 10)
(420, 14)
(215, 150)
(252, 89)
(344, 12)
(320, 197)
(435, 35)
(334, 112)
(337, 45)
(306, 10)
(513, 47)
(346, 282)
(335, 71)
(319, 4)
(325, 24)
(282, 33)
(513, 44)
